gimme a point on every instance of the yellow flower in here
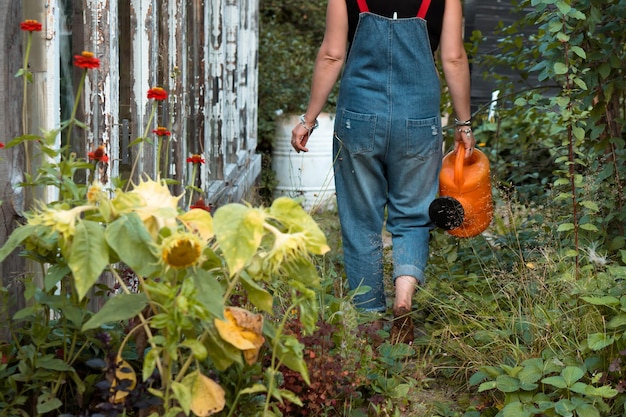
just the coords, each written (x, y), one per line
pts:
(154, 203)
(181, 250)
(59, 219)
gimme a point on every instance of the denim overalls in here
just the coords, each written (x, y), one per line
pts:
(387, 150)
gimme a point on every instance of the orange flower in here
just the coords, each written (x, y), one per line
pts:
(196, 159)
(200, 204)
(86, 60)
(30, 26)
(157, 93)
(161, 131)
(98, 155)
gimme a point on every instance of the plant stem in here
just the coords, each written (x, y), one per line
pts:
(72, 120)
(142, 139)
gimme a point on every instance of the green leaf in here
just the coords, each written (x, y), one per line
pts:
(258, 296)
(119, 307)
(507, 383)
(515, 409)
(209, 292)
(54, 275)
(222, 354)
(183, 395)
(617, 321)
(256, 388)
(132, 242)
(604, 391)
(606, 300)
(588, 226)
(54, 364)
(88, 257)
(239, 231)
(560, 68)
(149, 363)
(46, 403)
(597, 341)
(565, 227)
(17, 237)
(197, 349)
(579, 51)
(485, 386)
(292, 215)
(587, 410)
(555, 381)
(565, 408)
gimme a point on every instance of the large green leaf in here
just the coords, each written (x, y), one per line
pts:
(258, 296)
(119, 307)
(239, 230)
(131, 240)
(292, 215)
(88, 256)
(17, 237)
(209, 292)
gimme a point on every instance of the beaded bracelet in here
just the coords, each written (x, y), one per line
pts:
(468, 122)
(308, 129)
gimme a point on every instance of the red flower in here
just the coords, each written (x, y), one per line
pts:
(98, 155)
(1, 145)
(86, 60)
(161, 131)
(30, 26)
(196, 159)
(157, 93)
(199, 204)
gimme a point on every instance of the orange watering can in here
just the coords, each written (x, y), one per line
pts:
(465, 206)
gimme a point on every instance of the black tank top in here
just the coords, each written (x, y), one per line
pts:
(404, 8)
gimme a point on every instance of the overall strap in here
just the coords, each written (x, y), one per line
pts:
(421, 13)
(363, 6)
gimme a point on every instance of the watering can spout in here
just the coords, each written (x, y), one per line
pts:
(464, 207)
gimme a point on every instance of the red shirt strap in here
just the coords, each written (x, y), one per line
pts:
(421, 13)
(363, 6)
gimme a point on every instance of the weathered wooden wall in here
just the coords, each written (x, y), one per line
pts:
(204, 53)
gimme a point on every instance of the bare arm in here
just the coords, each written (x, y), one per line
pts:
(456, 70)
(328, 65)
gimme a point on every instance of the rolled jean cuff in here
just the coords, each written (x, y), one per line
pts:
(411, 271)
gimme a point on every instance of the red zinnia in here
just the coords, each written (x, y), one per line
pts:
(199, 204)
(161, 131)
(30, 26)
(98, 155)
(1, 145)
(196, 159)
(157, 93)
(86, 60)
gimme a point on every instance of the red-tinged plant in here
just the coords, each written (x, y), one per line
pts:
(98, 155)
(157, 93)
(200, 204)
(86, 60)
(30, 25)
(162, 131)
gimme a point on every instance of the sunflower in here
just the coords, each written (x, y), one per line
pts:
(181, 250)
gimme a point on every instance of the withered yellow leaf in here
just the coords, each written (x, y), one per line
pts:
(126, 378)
(207, 396)
(198, 221)
(243, 330)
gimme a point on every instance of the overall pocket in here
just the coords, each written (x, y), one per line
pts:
(424, 137)
(356, 131)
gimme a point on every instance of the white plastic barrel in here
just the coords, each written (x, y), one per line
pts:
(305, 176)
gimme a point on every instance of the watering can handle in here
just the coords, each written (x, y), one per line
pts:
(458, 166)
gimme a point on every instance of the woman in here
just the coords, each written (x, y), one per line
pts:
(388, 134)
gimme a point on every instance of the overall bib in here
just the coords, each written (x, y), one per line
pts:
(387, 150)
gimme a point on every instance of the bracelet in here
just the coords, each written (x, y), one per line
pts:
(467, 131)
(308, 129)
(468, 122)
